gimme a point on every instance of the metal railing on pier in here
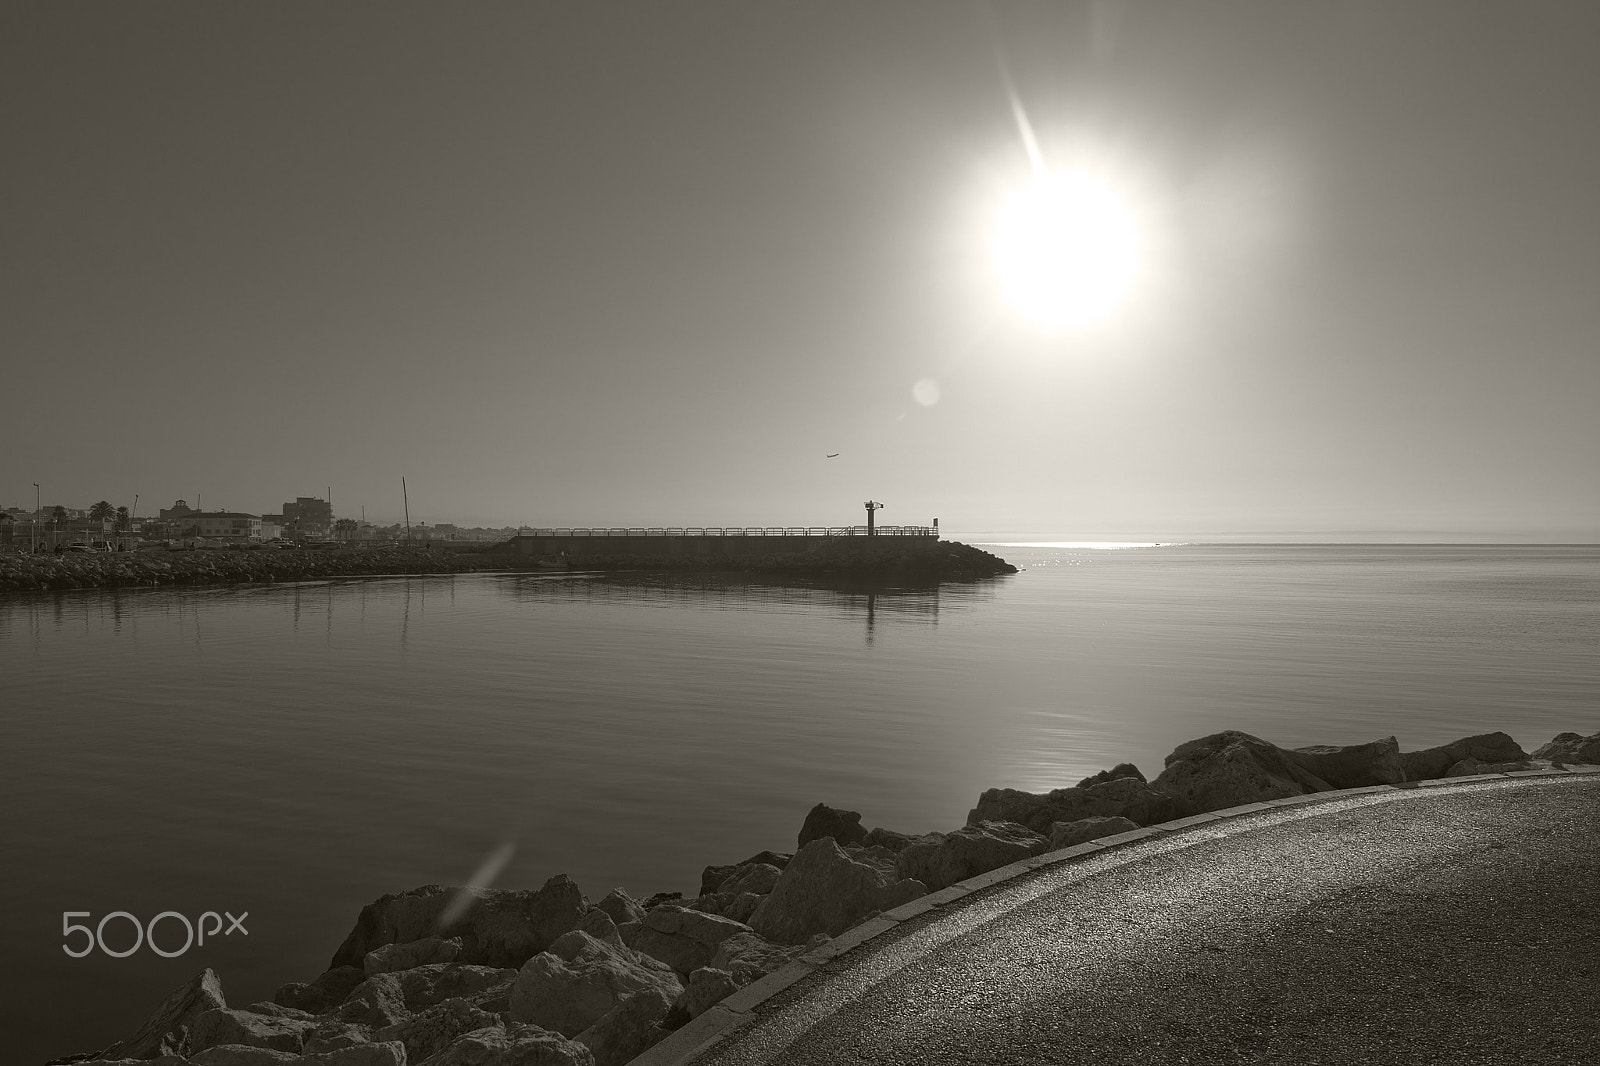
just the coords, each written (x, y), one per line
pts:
(729, 531)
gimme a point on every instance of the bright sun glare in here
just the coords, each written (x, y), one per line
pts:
(1066, 249)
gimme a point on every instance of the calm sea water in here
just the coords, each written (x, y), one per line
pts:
(295, 751)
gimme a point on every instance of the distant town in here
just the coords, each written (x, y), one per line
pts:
(308, 520)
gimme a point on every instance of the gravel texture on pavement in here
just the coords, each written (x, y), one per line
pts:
(1443, 925)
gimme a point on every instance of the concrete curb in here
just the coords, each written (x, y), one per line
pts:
(683, 1045)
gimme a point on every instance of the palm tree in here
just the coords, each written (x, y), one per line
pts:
(102, 511)
(345, 528)
(123, 521)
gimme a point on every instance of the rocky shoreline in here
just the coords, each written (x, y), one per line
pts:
(220, 566)
(890, 563)
(544, 977)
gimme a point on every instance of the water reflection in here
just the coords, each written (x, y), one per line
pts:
(734, 592)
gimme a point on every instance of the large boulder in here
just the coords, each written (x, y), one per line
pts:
(684, 939)
(377, 1002)
(628, 1028)
(166, 1032)
(243, 1055)
(225, 1026)
(598, 924)
(896, 841)
(424, 952)
(334, 1035)
(705, 988)
(511, 1045)
(1354, 765)
(969, 851)
(496, 927)
(825, 821)
(757, 877)
(326, 992)
(278, 1010)
(388, 998)
(1571, 749)
(1469, 767)
(436, 1028)
(387, 1053)
(1122, 769)
(1484, 748)
(580, 979)
(735, 906)
(1130, 797)
(751, 956)
(1066, 834)
(621, 907)
(738, 896)
(712, 877)
(1230, 768)
(825, 889)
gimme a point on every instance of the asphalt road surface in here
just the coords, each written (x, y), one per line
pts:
(1457, 925)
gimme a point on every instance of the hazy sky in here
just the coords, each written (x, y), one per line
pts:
(603, 263)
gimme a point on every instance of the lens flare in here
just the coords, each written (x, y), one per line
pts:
(480, 880)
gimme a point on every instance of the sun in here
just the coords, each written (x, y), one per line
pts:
(1066, 249)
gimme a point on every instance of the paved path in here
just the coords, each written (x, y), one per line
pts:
(1454, 925)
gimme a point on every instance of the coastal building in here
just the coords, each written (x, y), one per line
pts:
(225, 525)
(171, 522)
(309, 516)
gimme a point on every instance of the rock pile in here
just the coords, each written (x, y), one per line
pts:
(218, 566)
(544, 977)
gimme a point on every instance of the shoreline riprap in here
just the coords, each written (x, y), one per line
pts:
(221, 566)
(449, 977)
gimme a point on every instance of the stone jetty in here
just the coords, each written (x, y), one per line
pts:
(548, 977)
(865, 560)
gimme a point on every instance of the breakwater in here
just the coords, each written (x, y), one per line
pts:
(215, 566)
(446, 977)
(911, 555)
(896, 560)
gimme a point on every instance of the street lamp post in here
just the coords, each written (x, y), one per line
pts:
(871, 506)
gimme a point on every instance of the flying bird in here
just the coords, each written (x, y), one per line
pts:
(834, 455)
